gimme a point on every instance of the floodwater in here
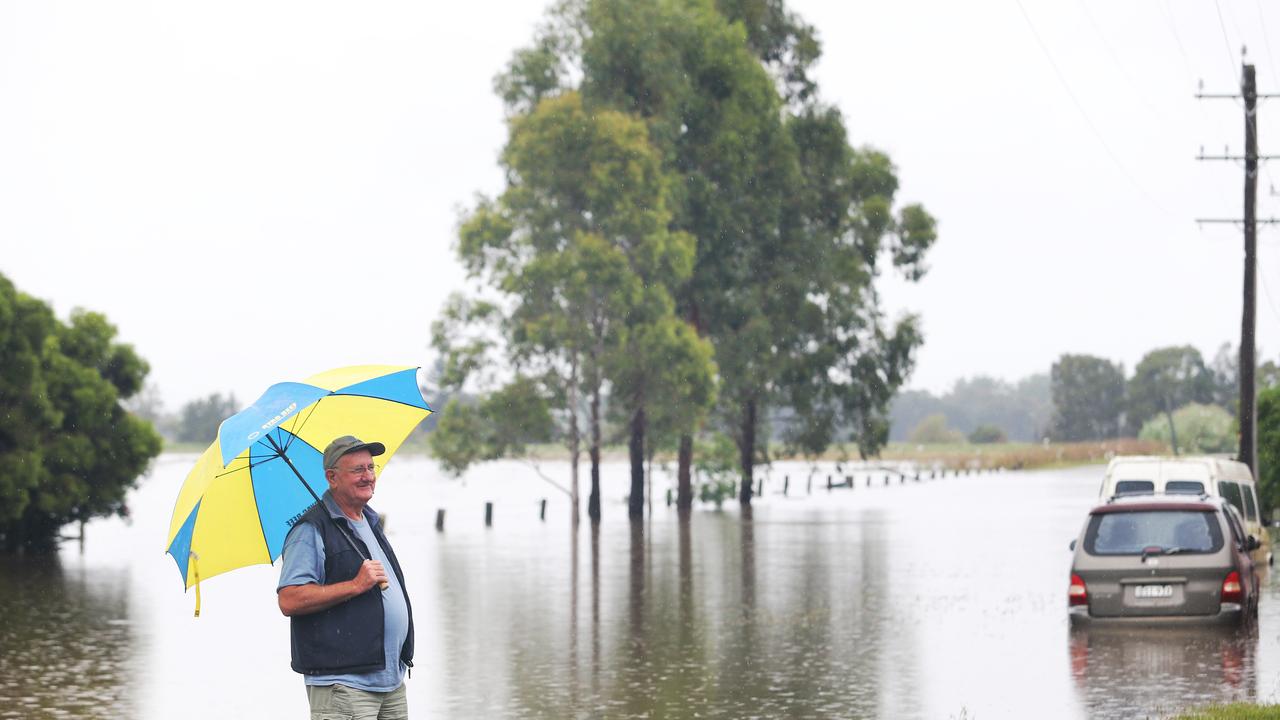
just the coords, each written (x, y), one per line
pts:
(941, 598)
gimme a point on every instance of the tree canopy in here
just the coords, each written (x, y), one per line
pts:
(1088, 398)
(68, 449)
(1164, 380)
(681, 146)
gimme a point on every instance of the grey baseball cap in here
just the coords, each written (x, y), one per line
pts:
(347, 444)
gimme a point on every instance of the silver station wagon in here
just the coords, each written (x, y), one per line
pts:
(1163, 559)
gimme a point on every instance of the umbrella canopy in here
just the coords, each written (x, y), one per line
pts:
(265, 469)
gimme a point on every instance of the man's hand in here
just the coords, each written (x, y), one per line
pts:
(371, 573)
(310, 598)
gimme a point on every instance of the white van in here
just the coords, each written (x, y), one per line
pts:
(1194, 475)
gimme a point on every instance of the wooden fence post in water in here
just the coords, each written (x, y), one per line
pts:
(828, 483)
(786, 484)
(760, 487)
(542, 514)
(668, 497)
(488, 514)
(440, 519)
(809, 488)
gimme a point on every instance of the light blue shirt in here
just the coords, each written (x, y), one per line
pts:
(303, 563)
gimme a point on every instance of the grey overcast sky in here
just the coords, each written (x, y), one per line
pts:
(255, 192)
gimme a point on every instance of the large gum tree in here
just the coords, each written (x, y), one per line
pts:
(581, 251)
(793, 224)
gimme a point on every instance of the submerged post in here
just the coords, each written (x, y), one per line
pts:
(488, 514)
(440, 519)
(542, 513)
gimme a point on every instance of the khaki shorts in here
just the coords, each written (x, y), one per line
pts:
(339, 702)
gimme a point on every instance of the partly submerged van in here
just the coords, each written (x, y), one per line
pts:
(1192, 475)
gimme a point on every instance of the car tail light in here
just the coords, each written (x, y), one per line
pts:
(1232, 591)
(1077, 594)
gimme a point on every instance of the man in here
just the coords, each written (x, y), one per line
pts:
(351, 625)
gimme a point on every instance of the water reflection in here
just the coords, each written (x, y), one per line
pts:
(68, 644)
(929, 600)
(1123, 672)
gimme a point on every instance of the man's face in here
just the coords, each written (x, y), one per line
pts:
(352, 481)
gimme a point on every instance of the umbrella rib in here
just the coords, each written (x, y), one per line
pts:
(299, 421)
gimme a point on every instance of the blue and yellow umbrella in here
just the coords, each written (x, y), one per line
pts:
(265, 469)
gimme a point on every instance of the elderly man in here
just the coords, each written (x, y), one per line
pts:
(351, 624)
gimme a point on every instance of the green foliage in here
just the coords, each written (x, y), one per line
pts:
(1269, 447)
(716, 467)
(1165, 379)
(789, 218)
(1200, 429)
(1232, 711)
(198, 420)
(986, 434)
(502, 424)
(69, 450)
(1088, 397)
(933, 430)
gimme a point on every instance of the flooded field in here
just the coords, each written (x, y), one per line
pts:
(938, 599)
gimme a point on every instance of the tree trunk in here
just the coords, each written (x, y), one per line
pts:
(747, 449)
(575, 439)
(635, 508)
(684, 478)
(593, 502)
(1173, 432)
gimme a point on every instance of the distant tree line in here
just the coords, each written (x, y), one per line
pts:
(1173, 396)
(1018, 411)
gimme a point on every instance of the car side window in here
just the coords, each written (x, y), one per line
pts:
(1231, 492)
(1233, 520)
(1250, 505)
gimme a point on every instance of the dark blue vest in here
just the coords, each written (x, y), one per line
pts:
(346, 638)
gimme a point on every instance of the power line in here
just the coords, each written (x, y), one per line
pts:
(1115, 59)
(1231, 61)
(1262, 23)
(1080, 108)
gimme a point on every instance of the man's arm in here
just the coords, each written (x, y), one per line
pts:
(313, 597)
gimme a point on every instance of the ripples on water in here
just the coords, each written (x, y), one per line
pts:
(67, 639)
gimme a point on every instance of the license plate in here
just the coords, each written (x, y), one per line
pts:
(1153, 591)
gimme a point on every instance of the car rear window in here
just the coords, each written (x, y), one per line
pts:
(1129, 533)
(1130, 487)
(1192, 487)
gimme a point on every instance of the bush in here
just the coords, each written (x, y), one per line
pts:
(1201, 429)
(1268, 470)
(984, 434)
(933, 430)
(69, 449)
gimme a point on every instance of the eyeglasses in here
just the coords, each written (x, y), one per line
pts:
(371, 468)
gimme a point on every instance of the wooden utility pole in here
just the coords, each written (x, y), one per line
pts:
(1248, 324)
